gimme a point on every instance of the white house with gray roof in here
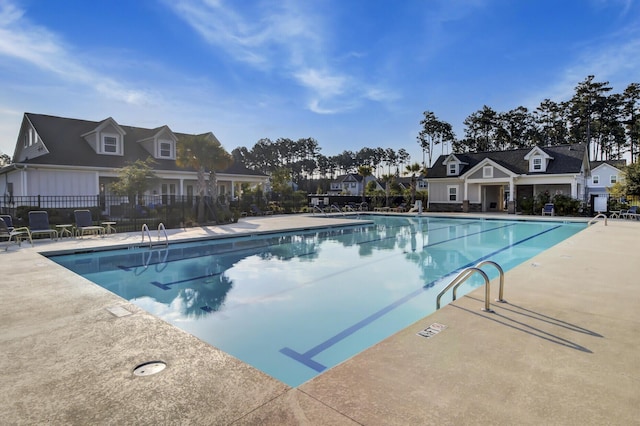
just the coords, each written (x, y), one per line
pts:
(494, 181)
(57, 156)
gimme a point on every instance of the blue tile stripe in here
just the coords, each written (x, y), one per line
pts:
(306, 357)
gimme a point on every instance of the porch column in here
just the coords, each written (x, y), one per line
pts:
(574, 189)
(181, 190)
(233, 189)
(511, 204)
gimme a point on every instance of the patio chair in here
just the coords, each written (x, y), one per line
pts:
(548, 210)
(20, 231)
(39, 225)
(84, 224)
(255, 210)
(632, 213)
(12, 234)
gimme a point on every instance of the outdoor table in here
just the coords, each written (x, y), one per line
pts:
(65, 229)
(109, 227)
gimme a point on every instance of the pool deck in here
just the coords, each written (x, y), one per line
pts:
(562, 351)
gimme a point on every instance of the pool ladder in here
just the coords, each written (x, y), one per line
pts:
(161, 228)
(468, 272)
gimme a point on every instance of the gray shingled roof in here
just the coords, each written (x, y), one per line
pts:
(63, 138)
(566, 159)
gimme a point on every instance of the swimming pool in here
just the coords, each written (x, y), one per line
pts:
(295, 304)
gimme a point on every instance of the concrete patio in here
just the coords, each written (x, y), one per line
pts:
(563, 350)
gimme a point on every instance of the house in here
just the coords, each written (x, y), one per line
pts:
(604, 174)
(498, 181)
(56, 156)
(349, 184)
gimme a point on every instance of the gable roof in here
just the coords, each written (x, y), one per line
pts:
(566, 159)
(618, 164)
(63, 138)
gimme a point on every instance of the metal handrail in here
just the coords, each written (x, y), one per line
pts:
(592, 221)
(319, 209)
(146, 228)
(460, 278)
(500, 272)
(466, 273)
(163, 229)
(335, 206)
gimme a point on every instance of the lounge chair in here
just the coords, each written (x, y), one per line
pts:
(548, 210)
(39, 225)
(12, 234)
(84, 224)
(255, 210)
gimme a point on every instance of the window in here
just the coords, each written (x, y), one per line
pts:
(453, 193)
(110, 144)
(165, 149)
(537, 164)
(487, 172)
(613, 179)
(452, 169)
(595, 179)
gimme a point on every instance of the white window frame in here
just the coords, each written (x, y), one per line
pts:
(613, 179)
(454, 193)
(487, 171)
(117, 144)
(452, 169)
(536, 164)
(595, 179)
(170, 146)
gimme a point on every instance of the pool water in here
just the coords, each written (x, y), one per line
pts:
(296, 304)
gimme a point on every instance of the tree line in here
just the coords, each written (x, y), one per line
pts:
(609, 123)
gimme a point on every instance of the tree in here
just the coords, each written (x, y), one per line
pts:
(632, 179)
(388, 181)
(413, 169)
(204, 153)
(135, 179)
(364, 171)
(586, 106)
(631, 109)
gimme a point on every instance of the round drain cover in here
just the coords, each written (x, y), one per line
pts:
(149, 368)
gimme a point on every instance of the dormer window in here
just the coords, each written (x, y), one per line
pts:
(538, 160)
(452, 170)
(537, 164)
(110, 144)
(165, 149)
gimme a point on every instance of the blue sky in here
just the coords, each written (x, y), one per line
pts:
(349, 73)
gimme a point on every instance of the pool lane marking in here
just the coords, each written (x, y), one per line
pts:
(306, 357)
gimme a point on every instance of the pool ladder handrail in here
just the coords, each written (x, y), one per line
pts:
(319, 209)
(335, 206)
(160, 228)
(599, 215)
(466, 273)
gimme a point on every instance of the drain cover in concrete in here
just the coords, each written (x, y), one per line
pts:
(149, 368)
(118, 311)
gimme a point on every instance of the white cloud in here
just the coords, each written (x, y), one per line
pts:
(26, 42)
(283, 37)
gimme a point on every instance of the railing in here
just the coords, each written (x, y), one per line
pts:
(161, 228)
(319, 209)
(466, 274)
(334, 206)
(146, 228)
(599, 215)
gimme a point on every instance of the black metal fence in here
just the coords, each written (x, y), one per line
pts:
(172, 211)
